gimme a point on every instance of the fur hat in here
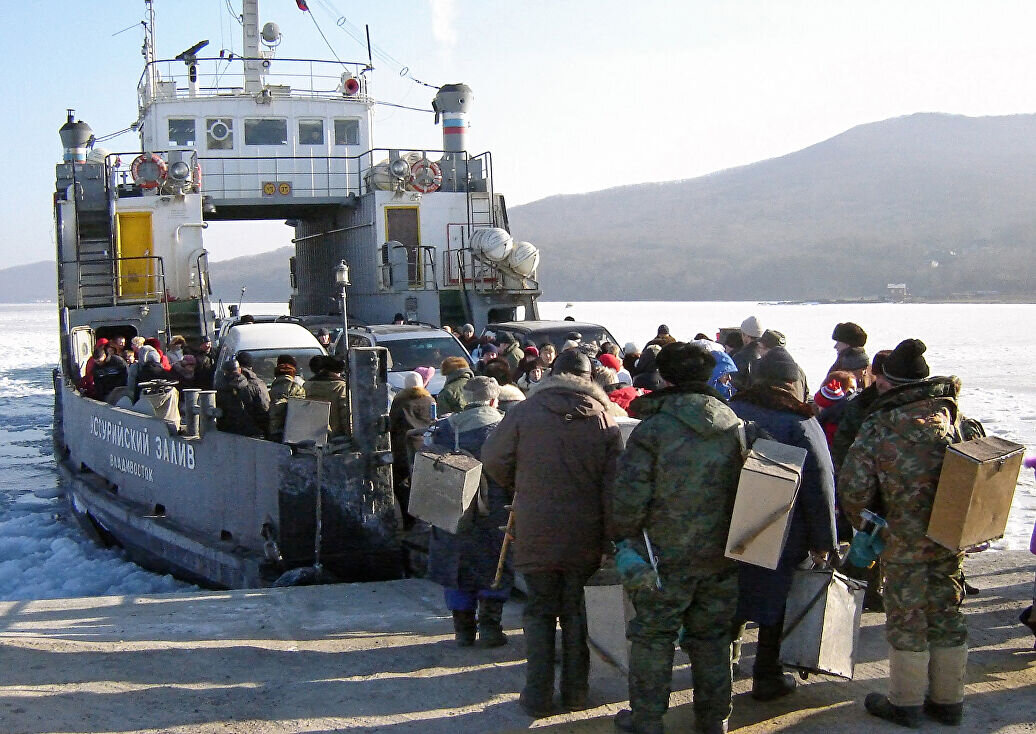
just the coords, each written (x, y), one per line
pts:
(287, 359)
(681, 363)
(849, 333)
(572, 362)
(412, 379)
(452, 364)
(316, 363)
(907, 363)
(610, 361)
(425, 373)
(752, 327)
(662, 329)
(334, 364)
(480, 390)
(776, 366)
(772, 338)
(245, 359)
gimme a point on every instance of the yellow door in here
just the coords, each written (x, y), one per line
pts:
(134, 248)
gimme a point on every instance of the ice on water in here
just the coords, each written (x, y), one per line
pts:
(43, 554)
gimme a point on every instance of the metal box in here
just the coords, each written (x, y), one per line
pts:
(442, 487)
(608, 611)
(822, 622)
(766, 494)
(975, 491)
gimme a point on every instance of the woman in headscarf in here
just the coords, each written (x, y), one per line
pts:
(465, 562)
(411, 408)
(773, 402)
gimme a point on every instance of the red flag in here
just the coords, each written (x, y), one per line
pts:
(302, 5)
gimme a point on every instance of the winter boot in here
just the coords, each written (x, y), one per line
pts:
(575, 662)
(490, 633)
(537, 698)
(908, 680)
(1028, 618)
(624, 721)
(945, 701)
(464, 627)
(769, 681)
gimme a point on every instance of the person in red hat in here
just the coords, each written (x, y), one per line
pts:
(86, 385)
(830, 401)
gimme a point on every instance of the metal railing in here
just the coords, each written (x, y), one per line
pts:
(122, 283)
(165, 79)
(282, 178)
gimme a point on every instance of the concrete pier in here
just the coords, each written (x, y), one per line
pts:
(380, 658)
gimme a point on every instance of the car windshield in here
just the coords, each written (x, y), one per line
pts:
(264, 361)
(596, 335)
(428, 351)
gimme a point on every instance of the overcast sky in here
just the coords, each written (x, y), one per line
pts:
(570, 95)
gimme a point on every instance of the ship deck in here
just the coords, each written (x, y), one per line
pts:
(380, 657)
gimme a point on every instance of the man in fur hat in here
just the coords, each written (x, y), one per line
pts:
(849, 340)
(556, 453)
(893, 468)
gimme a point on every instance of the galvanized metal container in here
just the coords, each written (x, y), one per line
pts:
(822, 622)
(442, 488)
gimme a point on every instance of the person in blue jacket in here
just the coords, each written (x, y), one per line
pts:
(774, 403)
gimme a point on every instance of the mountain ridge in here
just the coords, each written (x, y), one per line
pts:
(944, 203)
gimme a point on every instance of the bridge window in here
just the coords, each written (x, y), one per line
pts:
(347, 132)
(219, 133)
(266, 132)
(181, 132)
(311, 132)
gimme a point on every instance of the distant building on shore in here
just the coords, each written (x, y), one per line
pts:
(896, 292)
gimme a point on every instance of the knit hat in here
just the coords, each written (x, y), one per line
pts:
(490, 349)
(832, 390)
(776, 366)
(907, 363)
(229, 366)
(752, 327)
(412, 379)
(662, 329)
(733, 340)
(568, 345)
(772, 338)
(630, 348)
(849, 333)
(480, 390)
(610, 361)
(425, 374)
(572, 362)
(681, 363)
(244, 359)
(101, 342)
(531, 351)
(505, 337)
(452, 364)
(317, 363)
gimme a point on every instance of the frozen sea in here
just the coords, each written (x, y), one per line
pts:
(43, 553)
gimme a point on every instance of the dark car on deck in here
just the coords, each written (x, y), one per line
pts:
(534, 333)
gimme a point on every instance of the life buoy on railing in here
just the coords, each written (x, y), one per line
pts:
(148, 170)
(426, 176)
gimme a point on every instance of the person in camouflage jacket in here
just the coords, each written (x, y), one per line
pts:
(677, 479)
(893, 469)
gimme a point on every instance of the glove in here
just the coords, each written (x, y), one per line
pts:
(634, 571)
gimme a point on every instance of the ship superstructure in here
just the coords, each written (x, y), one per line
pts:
(261, 137)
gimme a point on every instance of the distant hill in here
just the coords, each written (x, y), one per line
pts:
(265, 276)
(943, 203)
(29, 283)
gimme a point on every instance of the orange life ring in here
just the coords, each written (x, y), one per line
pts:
(147, 182)
(425, 176)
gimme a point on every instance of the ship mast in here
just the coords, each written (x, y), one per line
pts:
(250, 39)
(148, 51)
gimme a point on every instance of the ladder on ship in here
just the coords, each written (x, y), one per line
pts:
(96, 263)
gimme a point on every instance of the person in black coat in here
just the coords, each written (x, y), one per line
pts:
(774, 404)
(465, 563)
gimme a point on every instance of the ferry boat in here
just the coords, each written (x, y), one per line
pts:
(377, 232)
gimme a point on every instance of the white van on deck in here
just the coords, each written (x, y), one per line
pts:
(265, 342)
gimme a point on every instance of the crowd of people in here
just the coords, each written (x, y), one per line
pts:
(543, 423)
(542, 420)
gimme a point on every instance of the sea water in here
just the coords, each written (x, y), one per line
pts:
(44, 554)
